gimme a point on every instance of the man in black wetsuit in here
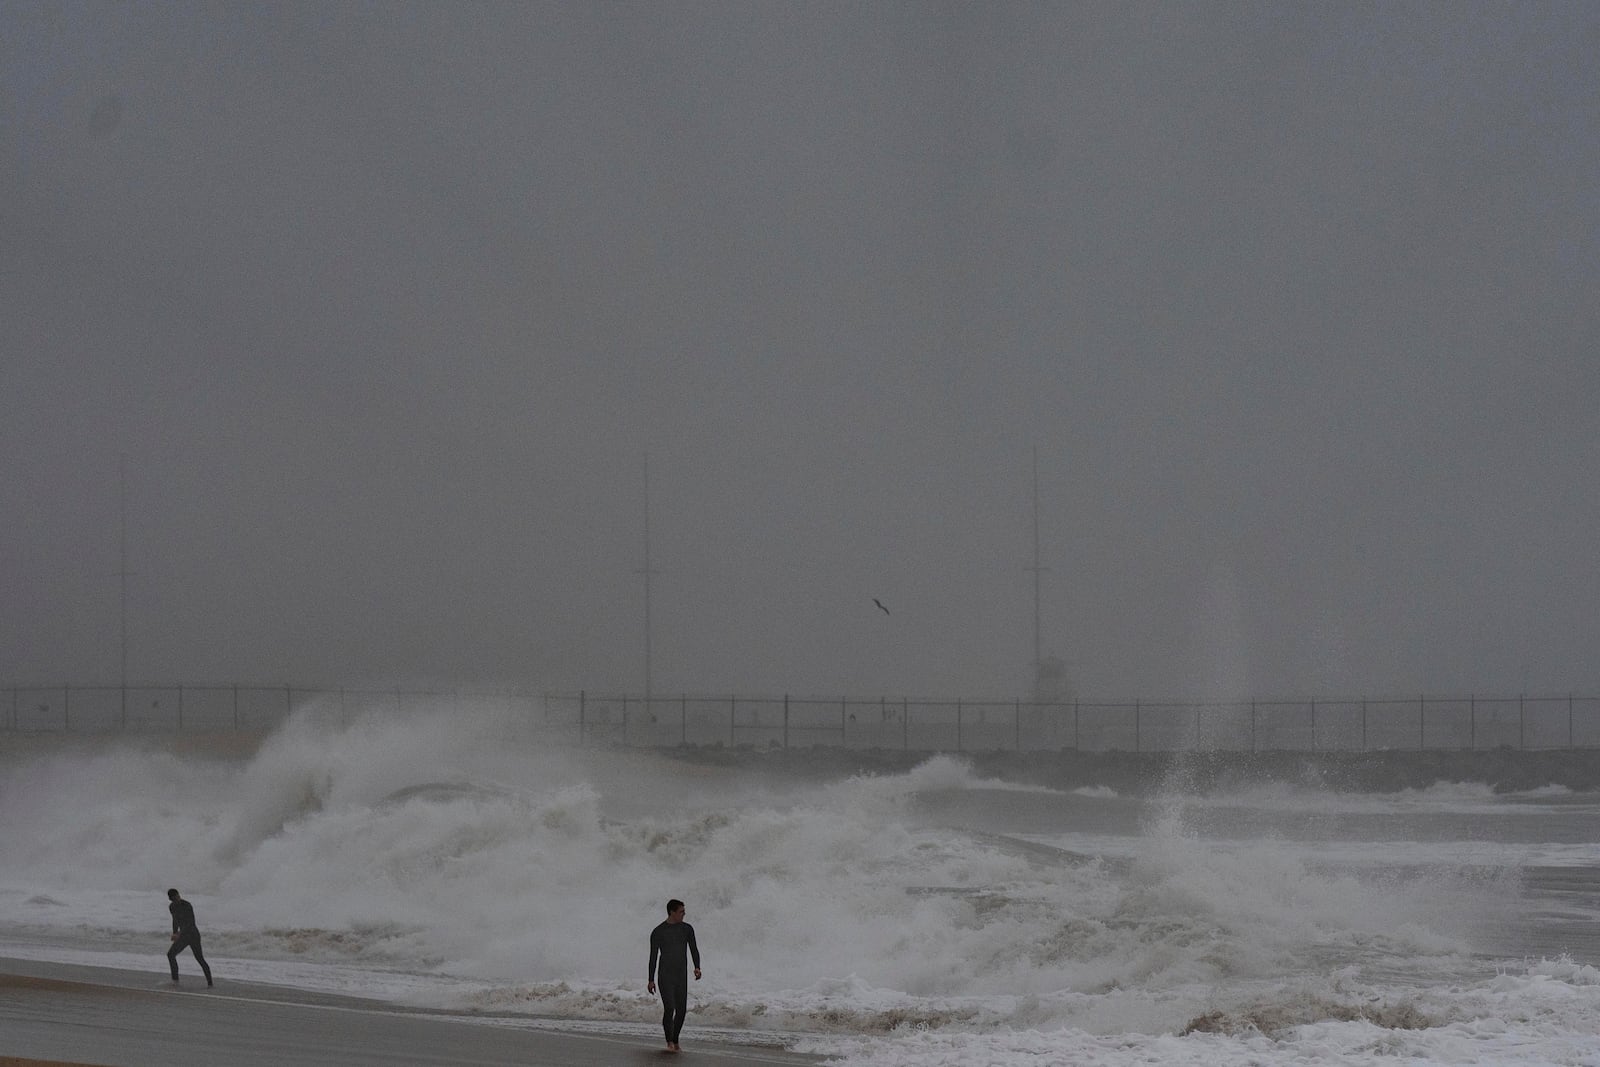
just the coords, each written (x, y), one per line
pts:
(668, 941)
(185, 934)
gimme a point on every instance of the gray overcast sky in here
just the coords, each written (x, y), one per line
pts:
(385, 304)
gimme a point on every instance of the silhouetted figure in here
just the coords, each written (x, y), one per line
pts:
(185, 935)
(669, 941)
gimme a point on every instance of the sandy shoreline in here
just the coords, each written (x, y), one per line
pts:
(66, 1014)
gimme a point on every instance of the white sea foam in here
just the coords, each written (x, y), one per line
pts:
(450, 861)
(1440, 798)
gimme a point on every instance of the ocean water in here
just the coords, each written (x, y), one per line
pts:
(449, 861)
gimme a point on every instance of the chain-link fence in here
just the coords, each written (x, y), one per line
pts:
(1416, 723)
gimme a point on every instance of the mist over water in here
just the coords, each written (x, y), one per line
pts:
(451, 861)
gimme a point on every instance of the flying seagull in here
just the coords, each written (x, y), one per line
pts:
(881, 608)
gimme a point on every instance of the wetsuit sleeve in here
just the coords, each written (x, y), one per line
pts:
(173, 908)
(655, 949)
(694, 949)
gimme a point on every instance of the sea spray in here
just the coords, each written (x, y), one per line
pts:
(451, 856)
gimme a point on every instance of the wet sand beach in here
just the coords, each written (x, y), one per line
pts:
(71, 1016)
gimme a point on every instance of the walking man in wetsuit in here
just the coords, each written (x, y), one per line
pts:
(185, 934)
(668, 941)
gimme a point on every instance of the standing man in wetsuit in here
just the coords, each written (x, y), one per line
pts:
(185, 934)
(668, 941)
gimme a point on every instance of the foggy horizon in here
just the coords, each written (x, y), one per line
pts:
(383, 307)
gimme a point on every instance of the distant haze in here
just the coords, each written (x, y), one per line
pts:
(383, 306)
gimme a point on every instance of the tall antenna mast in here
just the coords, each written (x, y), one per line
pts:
(1037, 569)
(648, 572)
(122, 575)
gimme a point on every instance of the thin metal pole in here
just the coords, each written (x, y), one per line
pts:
(1038, 648)
(648, 572)
(122, 576)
